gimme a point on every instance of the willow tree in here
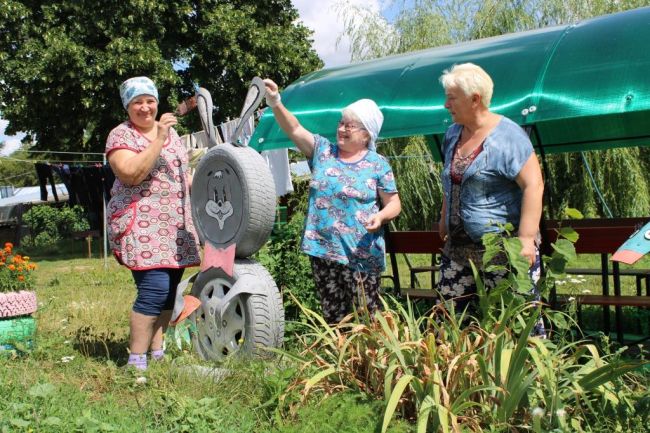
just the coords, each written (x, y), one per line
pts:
(593, 182)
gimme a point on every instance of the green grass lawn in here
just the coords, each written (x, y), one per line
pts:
(75, 380)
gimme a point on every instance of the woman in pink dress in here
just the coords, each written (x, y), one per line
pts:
(149, 217)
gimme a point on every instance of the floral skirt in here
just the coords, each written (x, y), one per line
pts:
(341, 289)
(457, 285)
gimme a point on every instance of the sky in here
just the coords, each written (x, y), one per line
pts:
(11, 143)
(320, 16)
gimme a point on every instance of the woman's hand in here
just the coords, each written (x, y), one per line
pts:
(528, 249)
(303, 139)
(374, 223)
(442, 230)
(166, 121)
(272, 93)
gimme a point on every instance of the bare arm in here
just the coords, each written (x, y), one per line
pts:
(303, 139)
(442, 224)
(391, 207)
(132, 168)
(531, 183)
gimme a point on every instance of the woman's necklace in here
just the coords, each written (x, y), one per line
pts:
(470, 155)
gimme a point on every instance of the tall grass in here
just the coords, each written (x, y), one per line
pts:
(449, 372)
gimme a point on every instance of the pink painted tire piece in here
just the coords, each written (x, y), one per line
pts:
(20, 303)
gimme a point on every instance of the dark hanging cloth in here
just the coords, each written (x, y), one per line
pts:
(44, 173)
(79, 189)
(63, 171)
(108, 179)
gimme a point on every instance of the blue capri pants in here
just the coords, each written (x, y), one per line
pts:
(156, 290)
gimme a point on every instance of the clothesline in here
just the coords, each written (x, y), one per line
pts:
(34, 161)
(63, 152)
(16, 175)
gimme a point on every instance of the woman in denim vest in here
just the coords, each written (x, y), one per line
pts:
(352, 193)
(491, 177)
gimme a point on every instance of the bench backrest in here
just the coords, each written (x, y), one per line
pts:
(597, 236)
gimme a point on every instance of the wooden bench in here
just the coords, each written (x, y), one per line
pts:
(413, 242)
(596, 236)
(604, 237)
(88, 235)
(614, 301)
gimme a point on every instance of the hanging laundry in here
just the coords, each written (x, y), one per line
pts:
(227, 129)
(108, 179)
(278, 162)
(63, 171)
(44, 173)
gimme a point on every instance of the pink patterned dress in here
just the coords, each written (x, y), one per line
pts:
(150, 225)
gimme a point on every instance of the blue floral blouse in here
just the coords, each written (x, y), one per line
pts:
(342, 196)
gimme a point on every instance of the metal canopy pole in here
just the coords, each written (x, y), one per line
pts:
(105, 224)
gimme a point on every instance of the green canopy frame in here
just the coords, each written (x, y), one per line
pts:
(574, 88)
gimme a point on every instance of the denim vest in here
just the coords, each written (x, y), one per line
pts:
(489, 193)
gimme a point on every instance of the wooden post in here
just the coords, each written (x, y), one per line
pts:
(89, 242)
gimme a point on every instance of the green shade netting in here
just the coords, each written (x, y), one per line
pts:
(582, 87)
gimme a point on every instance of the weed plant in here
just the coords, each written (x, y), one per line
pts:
(446, 371)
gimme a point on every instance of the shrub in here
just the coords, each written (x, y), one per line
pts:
(48, 224)
(290, 267)
(15, 270)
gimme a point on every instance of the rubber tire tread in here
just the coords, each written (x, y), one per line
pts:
(259, 199)
(14, 304)
(264, 313)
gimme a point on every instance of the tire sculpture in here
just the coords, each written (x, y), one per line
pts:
(16, 332)
(242, 311)
(233, 207)
(20, 303)
(233, 199)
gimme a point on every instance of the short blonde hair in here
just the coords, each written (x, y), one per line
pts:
(470, 79)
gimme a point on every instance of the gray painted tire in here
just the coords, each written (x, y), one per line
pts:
(251, 322)
(15, 304)
(233, 199)
(16, 330)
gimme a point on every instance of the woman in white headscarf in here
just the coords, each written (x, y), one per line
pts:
(352, 194)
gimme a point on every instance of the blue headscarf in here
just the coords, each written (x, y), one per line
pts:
(137, 86)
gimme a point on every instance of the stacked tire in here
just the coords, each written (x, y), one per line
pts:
(17, 326)
(233, 203)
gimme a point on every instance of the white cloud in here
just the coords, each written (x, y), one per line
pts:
(11, 143)
(322, 18)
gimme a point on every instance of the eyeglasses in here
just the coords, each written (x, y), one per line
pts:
(348, 127)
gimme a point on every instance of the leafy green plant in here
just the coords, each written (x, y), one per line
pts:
(48, 224)
(450, 375)
(290, 267)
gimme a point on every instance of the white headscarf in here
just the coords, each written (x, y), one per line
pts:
(370, 116)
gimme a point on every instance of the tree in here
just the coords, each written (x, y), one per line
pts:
(618, 174)
(61, 62)
(16, 171)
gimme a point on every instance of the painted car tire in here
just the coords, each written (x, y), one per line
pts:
(16, 330)
(233, 199)
(20, 303)
(249, 323)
